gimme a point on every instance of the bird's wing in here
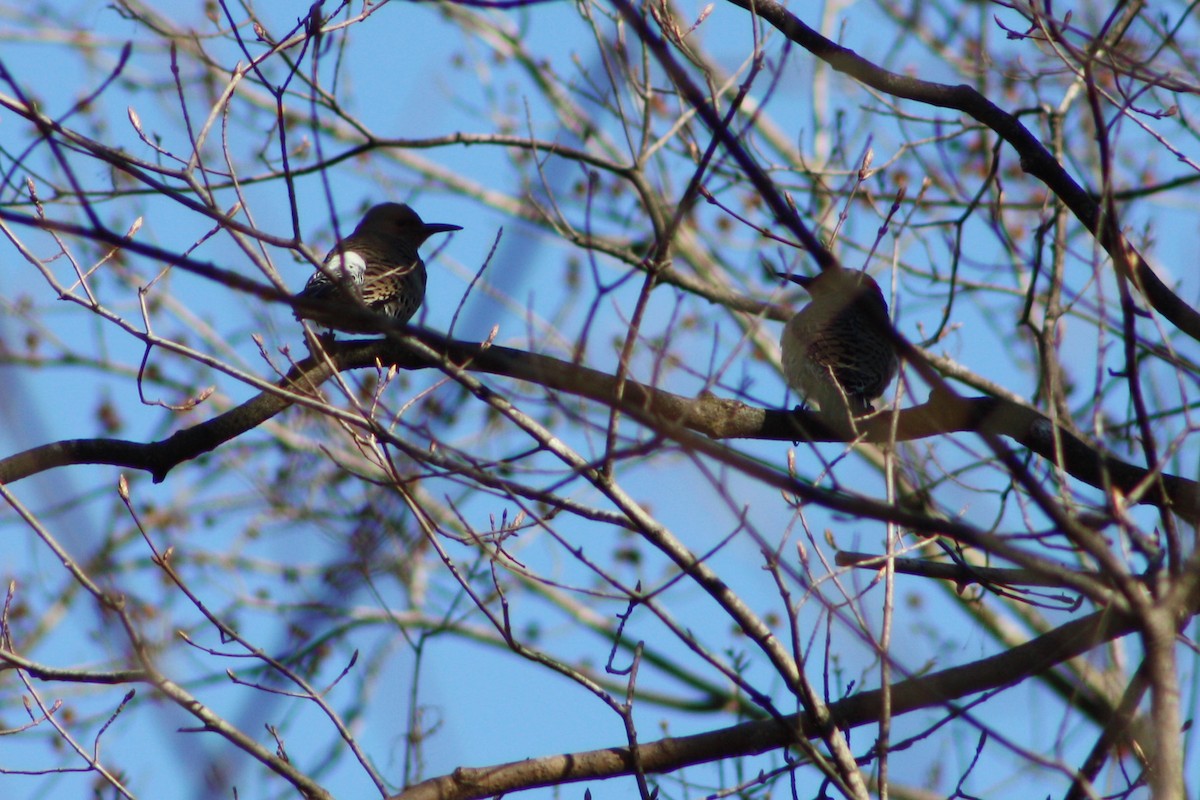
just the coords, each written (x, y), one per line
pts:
(346, 265)
(389, 270)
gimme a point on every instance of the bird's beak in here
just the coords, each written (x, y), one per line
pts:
(803, 280)
(440, 227)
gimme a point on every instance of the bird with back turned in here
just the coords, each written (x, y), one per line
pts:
(837, 351)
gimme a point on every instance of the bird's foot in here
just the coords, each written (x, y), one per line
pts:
(319, 342)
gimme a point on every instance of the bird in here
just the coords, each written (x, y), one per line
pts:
(376, 267)
(837, 353)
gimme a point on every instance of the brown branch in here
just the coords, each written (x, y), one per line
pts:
(961, 574)
(714, 417)
(751, 738)
(1036, 160)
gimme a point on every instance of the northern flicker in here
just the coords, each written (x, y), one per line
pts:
(836, 353)
(377, 267)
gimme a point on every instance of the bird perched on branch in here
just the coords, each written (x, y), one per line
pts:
(837, 351)
(377, 267)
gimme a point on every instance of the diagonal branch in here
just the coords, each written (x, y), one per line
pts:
(1036, 160)
(1008, 668)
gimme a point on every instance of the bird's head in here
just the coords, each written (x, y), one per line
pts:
(837, 282)
(400, 221)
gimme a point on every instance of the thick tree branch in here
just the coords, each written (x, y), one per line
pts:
(751, 738)
(711, 416)
(960, 573)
